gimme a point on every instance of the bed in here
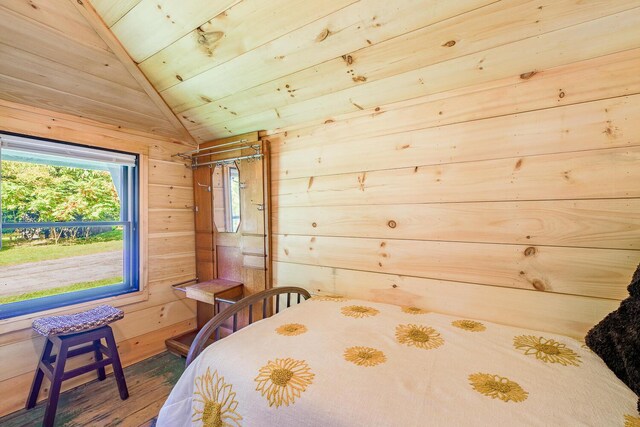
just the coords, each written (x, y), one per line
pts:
(333, 361)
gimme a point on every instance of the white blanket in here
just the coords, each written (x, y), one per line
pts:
(340, 362)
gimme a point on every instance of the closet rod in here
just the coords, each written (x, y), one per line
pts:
(255, 147)
(186, 154)
(224, 161)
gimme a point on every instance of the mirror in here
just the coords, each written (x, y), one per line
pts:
(226, 197)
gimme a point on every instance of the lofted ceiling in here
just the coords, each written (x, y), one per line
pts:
(54, 54)
(227, 67)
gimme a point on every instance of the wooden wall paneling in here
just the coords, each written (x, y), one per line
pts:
(60, 16)
(564, 314)
(602, 273)
(34, 69)
(599, 78)
(586, 126)
(162, 196)
(603, 223)
(20, 31)
(18, 90)
(553, 49)
(576, 175)
(148, 322)
(170, 173)
(163, 221)
(551, 134)
(92, 17)
(239, 29)
(29, 120)
(477, 30)
(78, 73)
(163, 266)
(172, 244)
(346, 30)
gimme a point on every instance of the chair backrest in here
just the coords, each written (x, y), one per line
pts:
(212, 327)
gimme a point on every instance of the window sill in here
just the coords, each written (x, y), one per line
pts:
(24, 322)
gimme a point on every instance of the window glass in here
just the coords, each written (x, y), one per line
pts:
(69, 224)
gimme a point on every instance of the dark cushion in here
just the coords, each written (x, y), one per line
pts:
(616, 339)
(79, 322)
(634, 287)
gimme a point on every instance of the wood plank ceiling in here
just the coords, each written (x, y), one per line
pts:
(59, 56)
(227, 67)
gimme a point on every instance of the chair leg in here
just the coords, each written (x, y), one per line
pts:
(38, 376)
(56, 383)
(98, 354)
(117, 366)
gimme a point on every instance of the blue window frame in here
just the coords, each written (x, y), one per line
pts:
(76, 220)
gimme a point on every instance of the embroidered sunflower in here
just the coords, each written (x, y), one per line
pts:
(414, 310)
(419, 336)
(469, 325)
(334, 298)
(291, 329)
(282, 381)
(364, 356)
(359, 311)
(214, 402)
(547, 350)
(497, 387)
(630, 421)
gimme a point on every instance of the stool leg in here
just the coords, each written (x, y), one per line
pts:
(56, 383)
(117, 366)
(98, 353)
(38, 376)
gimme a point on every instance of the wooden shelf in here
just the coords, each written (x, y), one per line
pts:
(211, 292)
(214, 291)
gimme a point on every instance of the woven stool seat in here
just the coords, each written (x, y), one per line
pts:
(79, 322)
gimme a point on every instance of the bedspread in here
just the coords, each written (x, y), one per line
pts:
(332, 361)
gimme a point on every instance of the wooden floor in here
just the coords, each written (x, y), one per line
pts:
(98, 404)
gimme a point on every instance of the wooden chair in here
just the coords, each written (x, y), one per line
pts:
(65, 334)
(212, 327)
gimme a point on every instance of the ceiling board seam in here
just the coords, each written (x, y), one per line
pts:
(121, 16)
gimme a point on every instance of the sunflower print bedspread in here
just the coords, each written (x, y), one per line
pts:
(332, 361)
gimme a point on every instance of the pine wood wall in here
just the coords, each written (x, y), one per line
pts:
(514, 200)
(170, 256)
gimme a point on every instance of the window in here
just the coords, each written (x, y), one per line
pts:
(69, 224)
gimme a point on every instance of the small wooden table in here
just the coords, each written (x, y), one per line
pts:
(213, 292)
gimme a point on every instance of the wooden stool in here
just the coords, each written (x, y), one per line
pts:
(66, 332)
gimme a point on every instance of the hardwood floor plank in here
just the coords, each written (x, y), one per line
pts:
(97, 402)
